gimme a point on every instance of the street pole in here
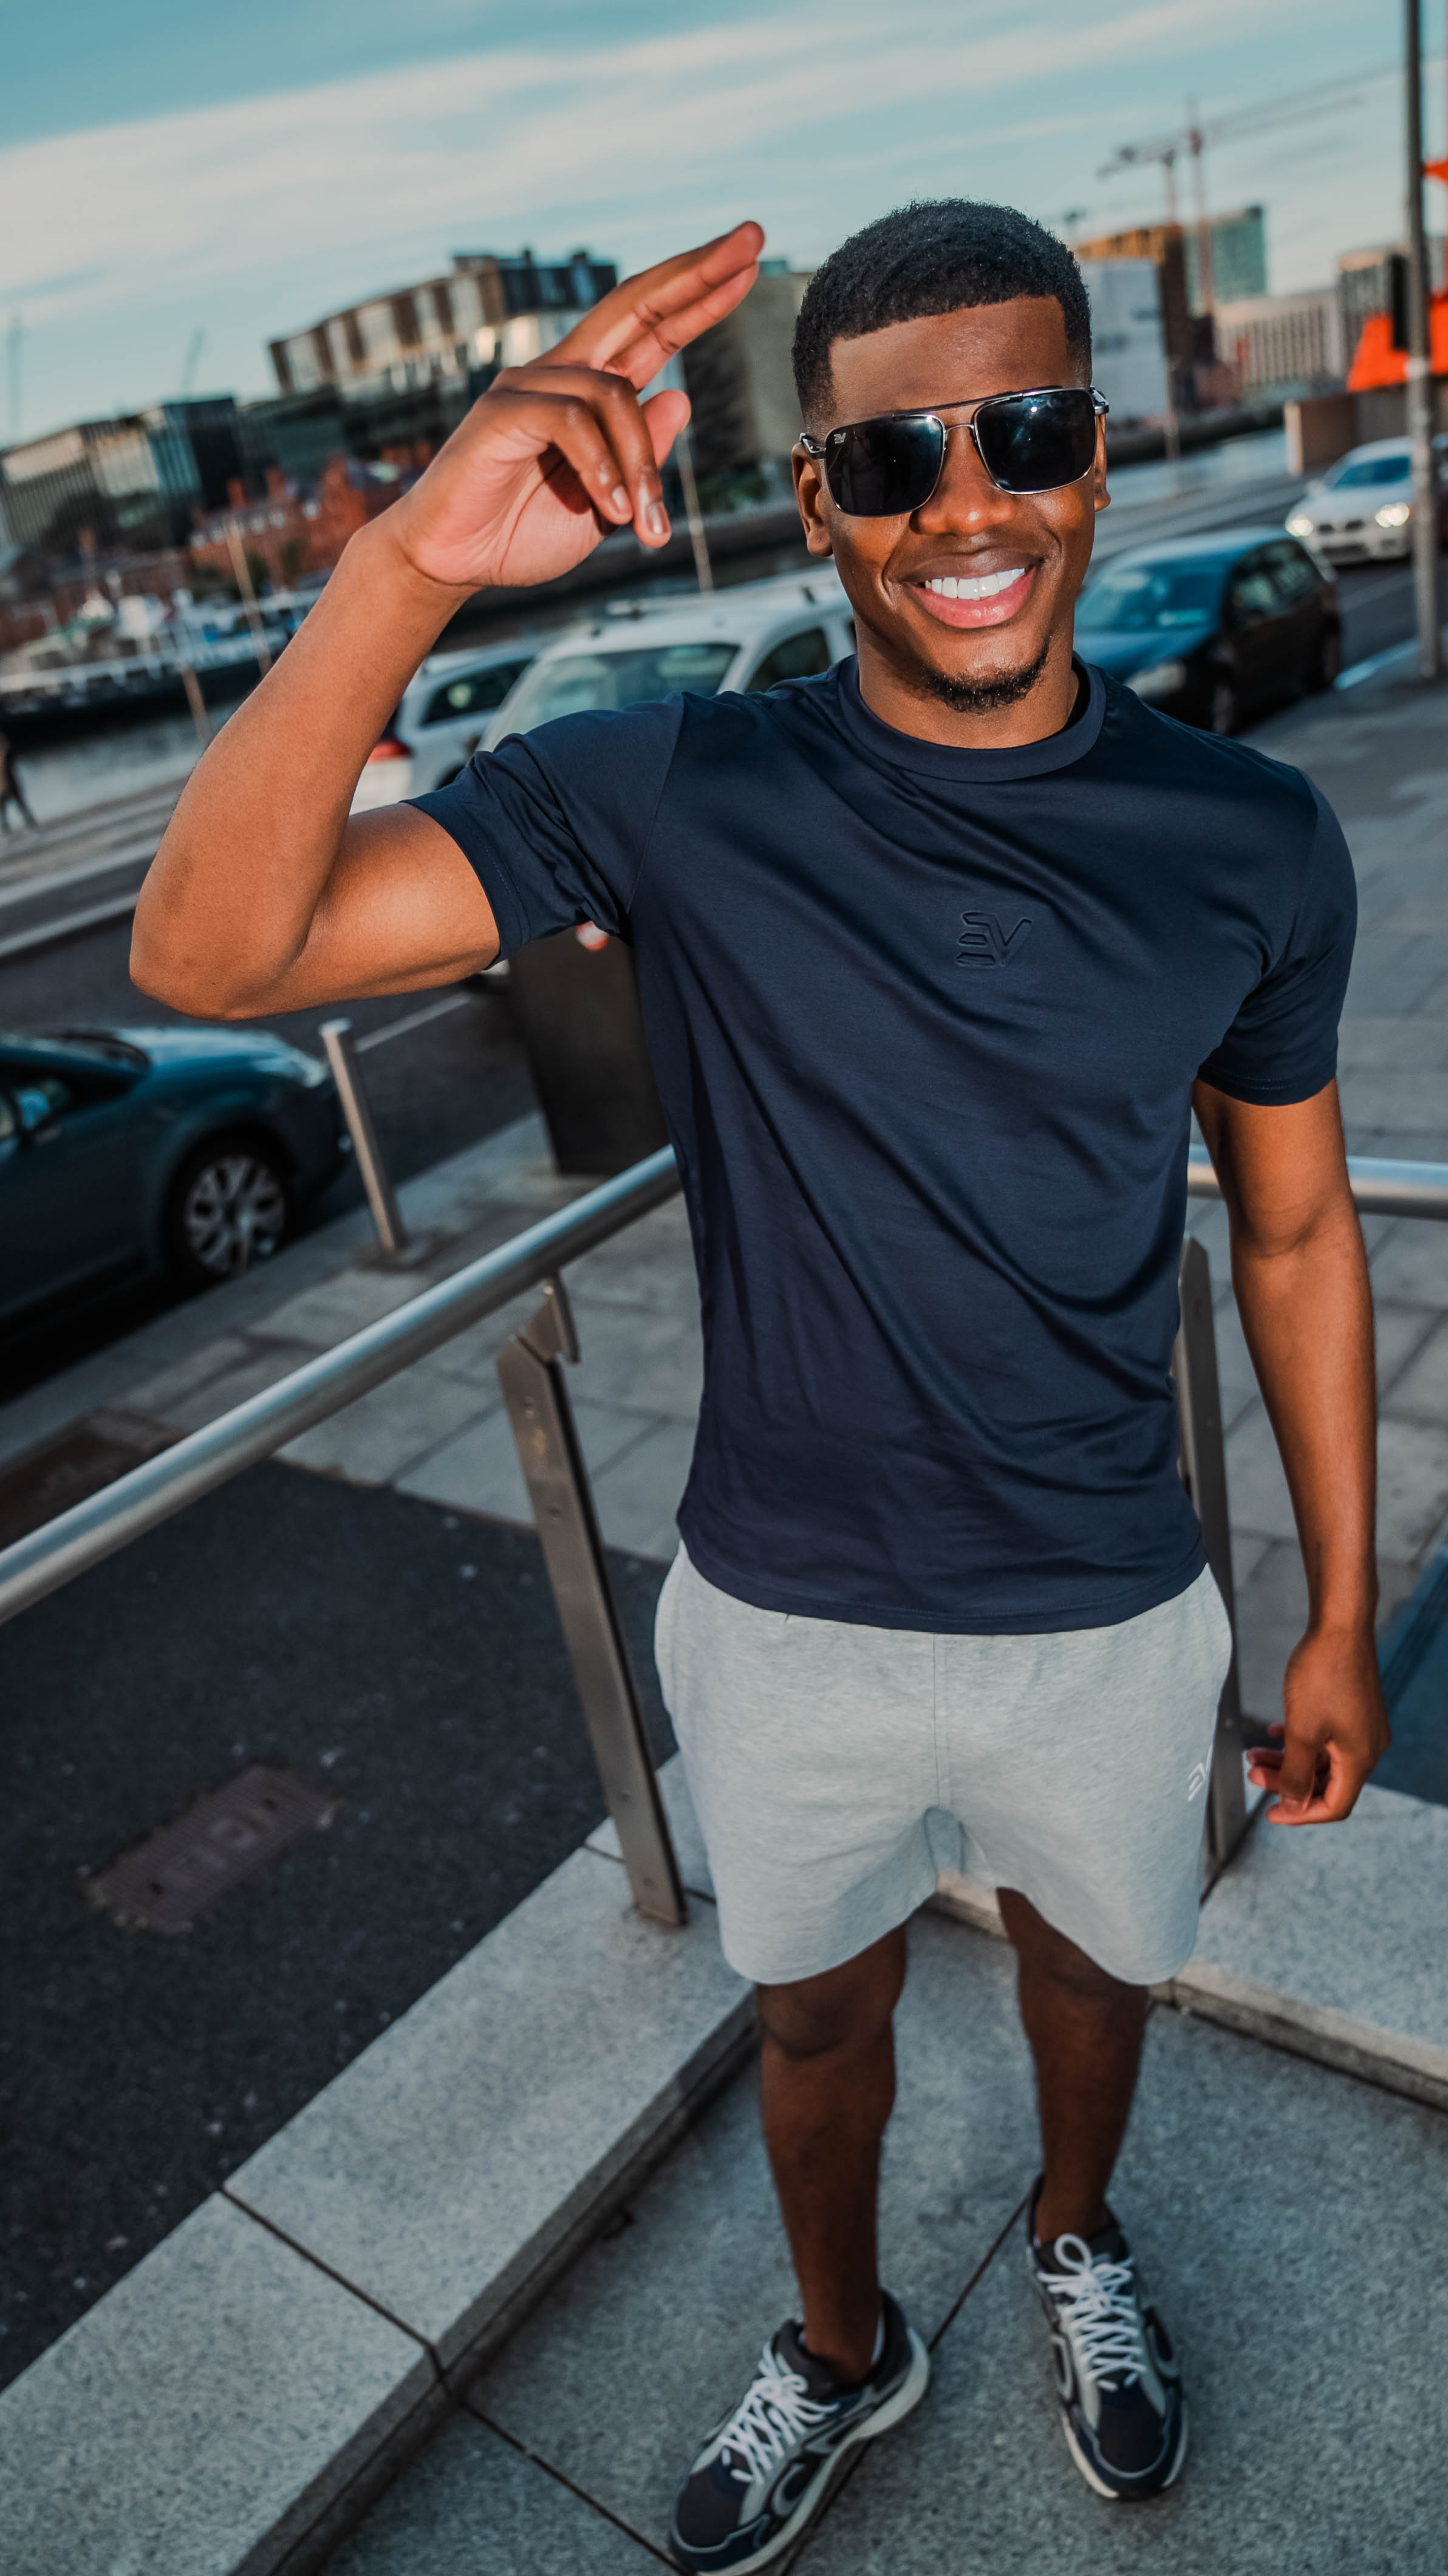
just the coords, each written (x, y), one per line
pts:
(1420, 384)
(242, 570)
(684, 458)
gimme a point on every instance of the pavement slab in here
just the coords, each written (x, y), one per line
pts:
(476, 2506)
(204, 2415)
(451, 2160)
(1280, 2213)
(675, 2304)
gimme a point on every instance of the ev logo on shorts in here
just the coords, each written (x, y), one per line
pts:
(985, 941)
(1197, 1779)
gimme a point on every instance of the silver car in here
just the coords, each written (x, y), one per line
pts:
(444, 713)
(1361, 510)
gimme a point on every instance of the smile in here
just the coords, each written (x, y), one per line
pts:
(976, 599)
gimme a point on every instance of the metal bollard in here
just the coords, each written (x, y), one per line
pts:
(1204, 1474)
(341, 1049)
(531, 1371)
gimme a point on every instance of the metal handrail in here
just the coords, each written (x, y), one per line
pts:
(108, 1521)
(80, 1538)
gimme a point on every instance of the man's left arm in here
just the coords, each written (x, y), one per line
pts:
(1301, 1277)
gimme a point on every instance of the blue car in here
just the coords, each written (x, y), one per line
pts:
(1214, 629)
(128, 1152)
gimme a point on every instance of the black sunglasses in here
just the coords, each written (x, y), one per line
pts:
(1031, 442)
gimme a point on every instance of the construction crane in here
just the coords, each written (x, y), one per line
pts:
(1192, 139)
(192, 359)
(14, 364)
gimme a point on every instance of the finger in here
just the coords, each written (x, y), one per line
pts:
(566, 425)
(665, 415)
(1297, 1775)
(613, 408)
(639, 326)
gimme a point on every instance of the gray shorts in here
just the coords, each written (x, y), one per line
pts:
(836, 1770)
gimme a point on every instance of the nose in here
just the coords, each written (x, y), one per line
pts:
(965, 498)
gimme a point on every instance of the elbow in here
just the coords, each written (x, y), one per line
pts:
(162, 969)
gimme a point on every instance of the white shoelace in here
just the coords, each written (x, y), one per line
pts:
(775, 2415)
(1104, 2317)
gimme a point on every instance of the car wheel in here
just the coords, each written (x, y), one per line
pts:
(230, 1206)
(1222, 708)
(1326, 661)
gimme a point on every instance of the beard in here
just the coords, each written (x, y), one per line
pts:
(985, 697)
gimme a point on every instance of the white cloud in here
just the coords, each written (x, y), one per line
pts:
(256, 216)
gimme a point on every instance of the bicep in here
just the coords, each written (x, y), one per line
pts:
(1283, 1168)
(401, 910)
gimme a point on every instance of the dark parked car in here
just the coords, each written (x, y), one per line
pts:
(1214, 628)
(128, 1151)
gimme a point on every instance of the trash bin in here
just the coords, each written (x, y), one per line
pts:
(576, 999)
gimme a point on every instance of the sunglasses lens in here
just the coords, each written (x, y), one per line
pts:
(1036, 442)
(884, 469)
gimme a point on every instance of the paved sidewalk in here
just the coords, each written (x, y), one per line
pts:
(1311, 2347)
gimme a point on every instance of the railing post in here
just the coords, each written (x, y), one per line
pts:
(341, 1049)
(531, 1371)
(1204, 1474)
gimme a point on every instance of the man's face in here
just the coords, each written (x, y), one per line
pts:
(967, 650)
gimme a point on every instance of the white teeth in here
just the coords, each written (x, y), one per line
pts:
(987, 586)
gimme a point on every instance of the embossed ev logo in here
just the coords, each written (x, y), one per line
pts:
(985, 941)
(1197, 1779)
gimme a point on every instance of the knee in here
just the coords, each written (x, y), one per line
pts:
(848, 2009)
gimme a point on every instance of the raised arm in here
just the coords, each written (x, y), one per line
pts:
(266, 894)
(1301, 1278)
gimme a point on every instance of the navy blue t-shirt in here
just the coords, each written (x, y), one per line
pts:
(925, 1024)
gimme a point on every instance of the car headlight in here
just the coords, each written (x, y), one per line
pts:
(1394, 514)
(1301, 524)
(1159, 680)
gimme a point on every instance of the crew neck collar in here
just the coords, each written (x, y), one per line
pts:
(946, 760)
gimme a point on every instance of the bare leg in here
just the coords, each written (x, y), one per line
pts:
(828, 2087)
(1085, 2030)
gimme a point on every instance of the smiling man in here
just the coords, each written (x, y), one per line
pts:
(936, 952)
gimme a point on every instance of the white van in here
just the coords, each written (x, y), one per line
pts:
(444, 712)
(727, 639)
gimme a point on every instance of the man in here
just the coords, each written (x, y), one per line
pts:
(11, 791)
(936, 952)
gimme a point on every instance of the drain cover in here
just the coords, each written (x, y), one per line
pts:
(179, 1873)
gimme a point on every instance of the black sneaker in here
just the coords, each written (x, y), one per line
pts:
(1122, 2410)
(767, 2469)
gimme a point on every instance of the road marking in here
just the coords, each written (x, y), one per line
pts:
(1359, 671)
(413, 1020)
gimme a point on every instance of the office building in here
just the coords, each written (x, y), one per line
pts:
(488, 312)
(1284, 346)
(121, 485)
(1128, 344)
(740, 380)
(1239, 259)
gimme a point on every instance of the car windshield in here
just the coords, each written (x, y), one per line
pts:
(578, 681)
(1144, 599)
(100, 1044)
(1355, 471)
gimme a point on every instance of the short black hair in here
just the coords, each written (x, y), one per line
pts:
(934, 256)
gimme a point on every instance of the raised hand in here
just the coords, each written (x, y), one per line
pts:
(556, 454)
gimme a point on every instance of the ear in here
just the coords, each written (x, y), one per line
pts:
(809, 492)
(1100, 496)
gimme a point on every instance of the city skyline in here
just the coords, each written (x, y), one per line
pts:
(245, 208)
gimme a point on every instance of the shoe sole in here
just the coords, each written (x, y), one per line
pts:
(906, 2398)
(1114, 2495)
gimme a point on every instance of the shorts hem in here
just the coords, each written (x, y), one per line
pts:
(827, 1955)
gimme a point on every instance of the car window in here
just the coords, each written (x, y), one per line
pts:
(40, 1098)
(577, 682)
(7, 1121)
(1252, 591)
(1293, 573)
(1355, 473)
(799, 657)
(1140, 599)
(475, 693)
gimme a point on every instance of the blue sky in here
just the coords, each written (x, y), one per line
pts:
(242, 169)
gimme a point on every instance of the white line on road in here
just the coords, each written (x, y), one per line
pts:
(413, 1020)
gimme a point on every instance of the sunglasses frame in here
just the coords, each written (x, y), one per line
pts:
(819, 448)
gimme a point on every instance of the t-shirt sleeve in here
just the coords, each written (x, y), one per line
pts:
(1282, 1045)
(556, 823)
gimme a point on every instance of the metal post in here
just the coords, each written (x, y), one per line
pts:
(242, 570)
(531, 1371)
(1420, 384)
(196, 703)
(703, 569)
(341, 1049)
(1204, 1474)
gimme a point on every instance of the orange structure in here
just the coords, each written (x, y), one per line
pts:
(1376, 362)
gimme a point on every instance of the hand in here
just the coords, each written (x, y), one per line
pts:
(1336, 1729)
(556, 454)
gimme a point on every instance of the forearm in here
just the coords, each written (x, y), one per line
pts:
(229, 902)
(1306, 1310)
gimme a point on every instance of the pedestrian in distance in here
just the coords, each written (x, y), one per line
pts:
(937, 952)
(11, 791)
